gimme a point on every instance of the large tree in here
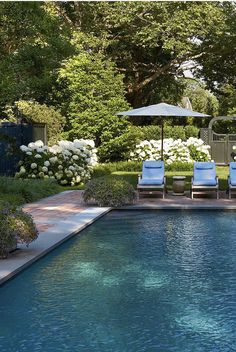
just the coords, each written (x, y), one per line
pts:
(33, 41)
(149, 41)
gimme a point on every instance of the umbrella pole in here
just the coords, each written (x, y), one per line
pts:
(162, 139)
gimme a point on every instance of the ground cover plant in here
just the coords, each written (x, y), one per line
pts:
(19, 191)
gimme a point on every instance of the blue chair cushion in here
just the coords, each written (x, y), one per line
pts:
(151, 181)
(206, 182)
(204, 166)
(153, 164)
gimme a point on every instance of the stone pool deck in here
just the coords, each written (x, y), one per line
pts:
(61, 216)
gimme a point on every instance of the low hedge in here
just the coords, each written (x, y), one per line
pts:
(134, 166)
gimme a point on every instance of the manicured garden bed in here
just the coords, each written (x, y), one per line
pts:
(17, 191)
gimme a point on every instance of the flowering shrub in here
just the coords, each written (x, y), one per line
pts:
(173, 151)
(66, 162)
(198, 150)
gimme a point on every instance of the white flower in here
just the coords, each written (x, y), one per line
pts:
(44, 169)
(29, 153)
(39, 143)
(46, 163)
(23, 148)
(33, 166)
(63, 182)
(53, 159)
(41, 174)
(22, 170)
(38, 156)
(75, 157)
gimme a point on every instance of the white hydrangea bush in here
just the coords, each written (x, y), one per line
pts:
(69, 163)
(192, 150)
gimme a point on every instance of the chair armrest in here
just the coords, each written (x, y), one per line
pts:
(165, 180)
(217, 180)
(139, 177)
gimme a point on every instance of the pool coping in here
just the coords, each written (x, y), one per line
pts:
(47, 241)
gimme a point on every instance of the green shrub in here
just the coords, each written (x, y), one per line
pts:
(191, 131)
(15, 227)
(109, 168)
(178, 166)
(109, 191)
(119, 147)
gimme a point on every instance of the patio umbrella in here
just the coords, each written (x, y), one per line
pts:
(162, 110)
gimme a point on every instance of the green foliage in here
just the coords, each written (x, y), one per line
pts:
(33, 112)
(109, 192)
(150, 40)
(191, 131)
(15, 227)
(202, 100)
(134, 166)
(93, 93)
(27, 190)
(119, 147)
(217, 62)
(34, 39)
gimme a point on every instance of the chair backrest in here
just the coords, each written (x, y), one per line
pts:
(204, 170)
(232, 170)
(153, 169)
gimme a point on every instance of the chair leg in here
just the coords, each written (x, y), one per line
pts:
(163, 193)
(217, 194)
(229, 193)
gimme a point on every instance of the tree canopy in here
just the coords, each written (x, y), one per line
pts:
(91, 59)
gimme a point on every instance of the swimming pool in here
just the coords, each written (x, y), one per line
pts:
(134, 281)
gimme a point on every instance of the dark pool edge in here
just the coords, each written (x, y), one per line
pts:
(44, 252)
(178, 207)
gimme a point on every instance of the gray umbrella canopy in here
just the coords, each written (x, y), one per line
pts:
(162, 110)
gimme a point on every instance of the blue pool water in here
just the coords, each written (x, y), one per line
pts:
(132, 282)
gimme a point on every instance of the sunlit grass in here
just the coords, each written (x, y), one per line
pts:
(132, 177)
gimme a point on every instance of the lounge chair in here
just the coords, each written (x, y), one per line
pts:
(232, 178)
(204, 178)
(153, 178)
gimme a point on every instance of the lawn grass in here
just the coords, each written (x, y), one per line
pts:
(132, 177)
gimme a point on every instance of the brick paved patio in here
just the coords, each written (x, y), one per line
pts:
(50, 211)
